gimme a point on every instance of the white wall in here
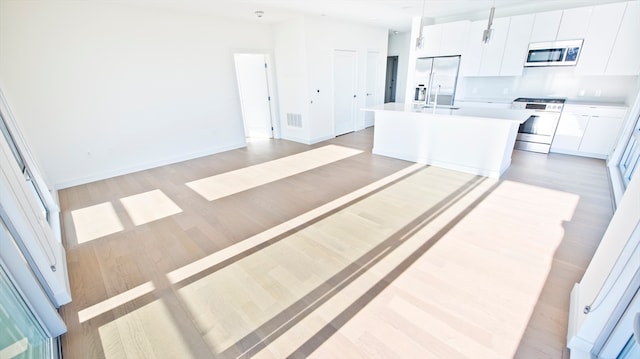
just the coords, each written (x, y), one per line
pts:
(305, 79)
(291, 74)
(323, 38)
(399, 46)
(101, 89)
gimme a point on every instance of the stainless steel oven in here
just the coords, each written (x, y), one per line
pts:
(536, 133)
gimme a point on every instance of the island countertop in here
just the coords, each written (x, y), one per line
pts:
(483, 113)
(473, 140)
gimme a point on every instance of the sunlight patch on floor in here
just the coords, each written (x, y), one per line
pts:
(95, 221)
(473, 292)
(220, 256)
(257, 288)
(151, 331)
(114, 302)
(243, 179)
(149, 206)
(454, 263)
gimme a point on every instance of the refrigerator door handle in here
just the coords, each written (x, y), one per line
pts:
(428, 97)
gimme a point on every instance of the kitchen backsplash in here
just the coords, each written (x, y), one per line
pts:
(550, 82)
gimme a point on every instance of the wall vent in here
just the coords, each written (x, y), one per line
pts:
(294, 120)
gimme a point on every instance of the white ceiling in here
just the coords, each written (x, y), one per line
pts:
(392, 14)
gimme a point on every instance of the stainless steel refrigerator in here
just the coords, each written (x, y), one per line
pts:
(436, 77)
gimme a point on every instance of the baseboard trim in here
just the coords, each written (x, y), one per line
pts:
(144, 166)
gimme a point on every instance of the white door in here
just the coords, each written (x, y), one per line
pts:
(344, 91)
(372, 87)
(251, 71)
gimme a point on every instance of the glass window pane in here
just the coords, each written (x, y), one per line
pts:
(23, 168)
(630, 159)
(631, 350)
(21, 336)
(11, 143)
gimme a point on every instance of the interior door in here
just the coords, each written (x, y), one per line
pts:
(372, 87)
(344, 91)
(253, 86)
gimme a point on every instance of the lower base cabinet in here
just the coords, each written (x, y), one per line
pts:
(589, 131)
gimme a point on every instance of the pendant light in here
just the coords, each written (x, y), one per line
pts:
(488, 32)
(420, 38)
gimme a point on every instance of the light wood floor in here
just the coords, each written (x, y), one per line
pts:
(365, 256)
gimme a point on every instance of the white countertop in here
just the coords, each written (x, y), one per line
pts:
(595, 104)
(457, 112)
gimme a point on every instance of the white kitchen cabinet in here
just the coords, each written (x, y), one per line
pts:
(492, 53)
(432, 40)
(574, 23)
(600, 38)
(600, 135)
(570, 131)
(472, 53)
(517, 44)
(444, 39)
(545, 26)
(589, 131)
(625, 55)
(454, 37)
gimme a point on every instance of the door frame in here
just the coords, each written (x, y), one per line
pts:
(271, 88)
(394, 78)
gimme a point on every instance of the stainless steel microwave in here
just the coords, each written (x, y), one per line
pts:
(554, 53)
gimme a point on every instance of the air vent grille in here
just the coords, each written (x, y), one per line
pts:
(294, 120)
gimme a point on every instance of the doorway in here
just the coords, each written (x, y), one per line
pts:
(255, 99)
(391, 79)
(344, 91)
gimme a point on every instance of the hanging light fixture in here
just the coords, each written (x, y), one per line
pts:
(420, 38)
(488, 32)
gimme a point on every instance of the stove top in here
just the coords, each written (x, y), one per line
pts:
(540, 100)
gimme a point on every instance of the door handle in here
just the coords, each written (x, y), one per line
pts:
(369, 94)
(354, 96)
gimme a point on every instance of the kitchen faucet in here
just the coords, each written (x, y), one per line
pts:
(435, 98)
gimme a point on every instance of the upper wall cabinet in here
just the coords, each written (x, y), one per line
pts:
(515, 49)
(545, 26)
(504, 55)
(432, 40)
(574, 23)
(454, 36)
(600, 38)
(472, 52)
(444, 39)
(625, 55)
(492, 53)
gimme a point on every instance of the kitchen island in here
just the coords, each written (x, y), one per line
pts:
(473, 140)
